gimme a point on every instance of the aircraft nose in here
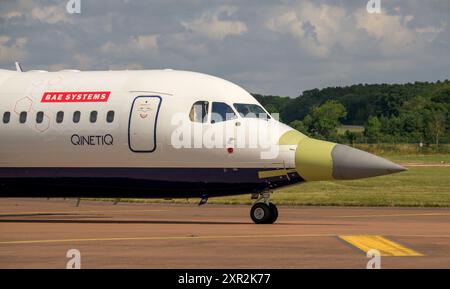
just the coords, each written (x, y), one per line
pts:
(350, 163)
(317, 160)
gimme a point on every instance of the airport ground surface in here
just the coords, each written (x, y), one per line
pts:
(37, 233)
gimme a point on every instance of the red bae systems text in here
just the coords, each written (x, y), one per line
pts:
(85, 96)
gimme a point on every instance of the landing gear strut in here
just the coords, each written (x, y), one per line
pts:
(264, 212)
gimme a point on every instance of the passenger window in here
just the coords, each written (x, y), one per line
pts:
(199, 111)
(221, 112)
(76, 116)
(60, 117)
(110, 116)
(6, 117)
(39, 117)
(23, 117)
(93, 116)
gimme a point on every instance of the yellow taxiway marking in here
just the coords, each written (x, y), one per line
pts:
(78, 212)
(394, 215)
(380, 215)
(385, 246)
(156, 238)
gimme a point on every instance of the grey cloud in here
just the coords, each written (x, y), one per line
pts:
(232, 39)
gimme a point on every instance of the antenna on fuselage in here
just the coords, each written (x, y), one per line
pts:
(18, 67)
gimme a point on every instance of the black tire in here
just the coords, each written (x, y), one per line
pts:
(274, 211)
(261, 213)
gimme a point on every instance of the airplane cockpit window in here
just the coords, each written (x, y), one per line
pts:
(76, 116)
(59, 117)
(93, 116)
(110, 116)
(251, 111)
(221, 112)
(6, 117)
(23, 117)
(39, 117)
(199, 111)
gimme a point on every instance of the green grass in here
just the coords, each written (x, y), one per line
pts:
(418, 187)
(412, 150)
(420, 159)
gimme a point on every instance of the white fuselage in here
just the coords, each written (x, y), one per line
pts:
(126, 120)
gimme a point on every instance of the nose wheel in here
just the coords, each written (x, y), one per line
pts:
(261, 213)
(264, 212)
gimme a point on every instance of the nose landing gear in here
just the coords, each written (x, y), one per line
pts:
(264, 212)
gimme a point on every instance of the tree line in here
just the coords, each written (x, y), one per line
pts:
(416, 112)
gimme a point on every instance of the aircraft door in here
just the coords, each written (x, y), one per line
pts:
(142, 124)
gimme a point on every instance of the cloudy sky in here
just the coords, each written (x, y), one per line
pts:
(272, 47)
